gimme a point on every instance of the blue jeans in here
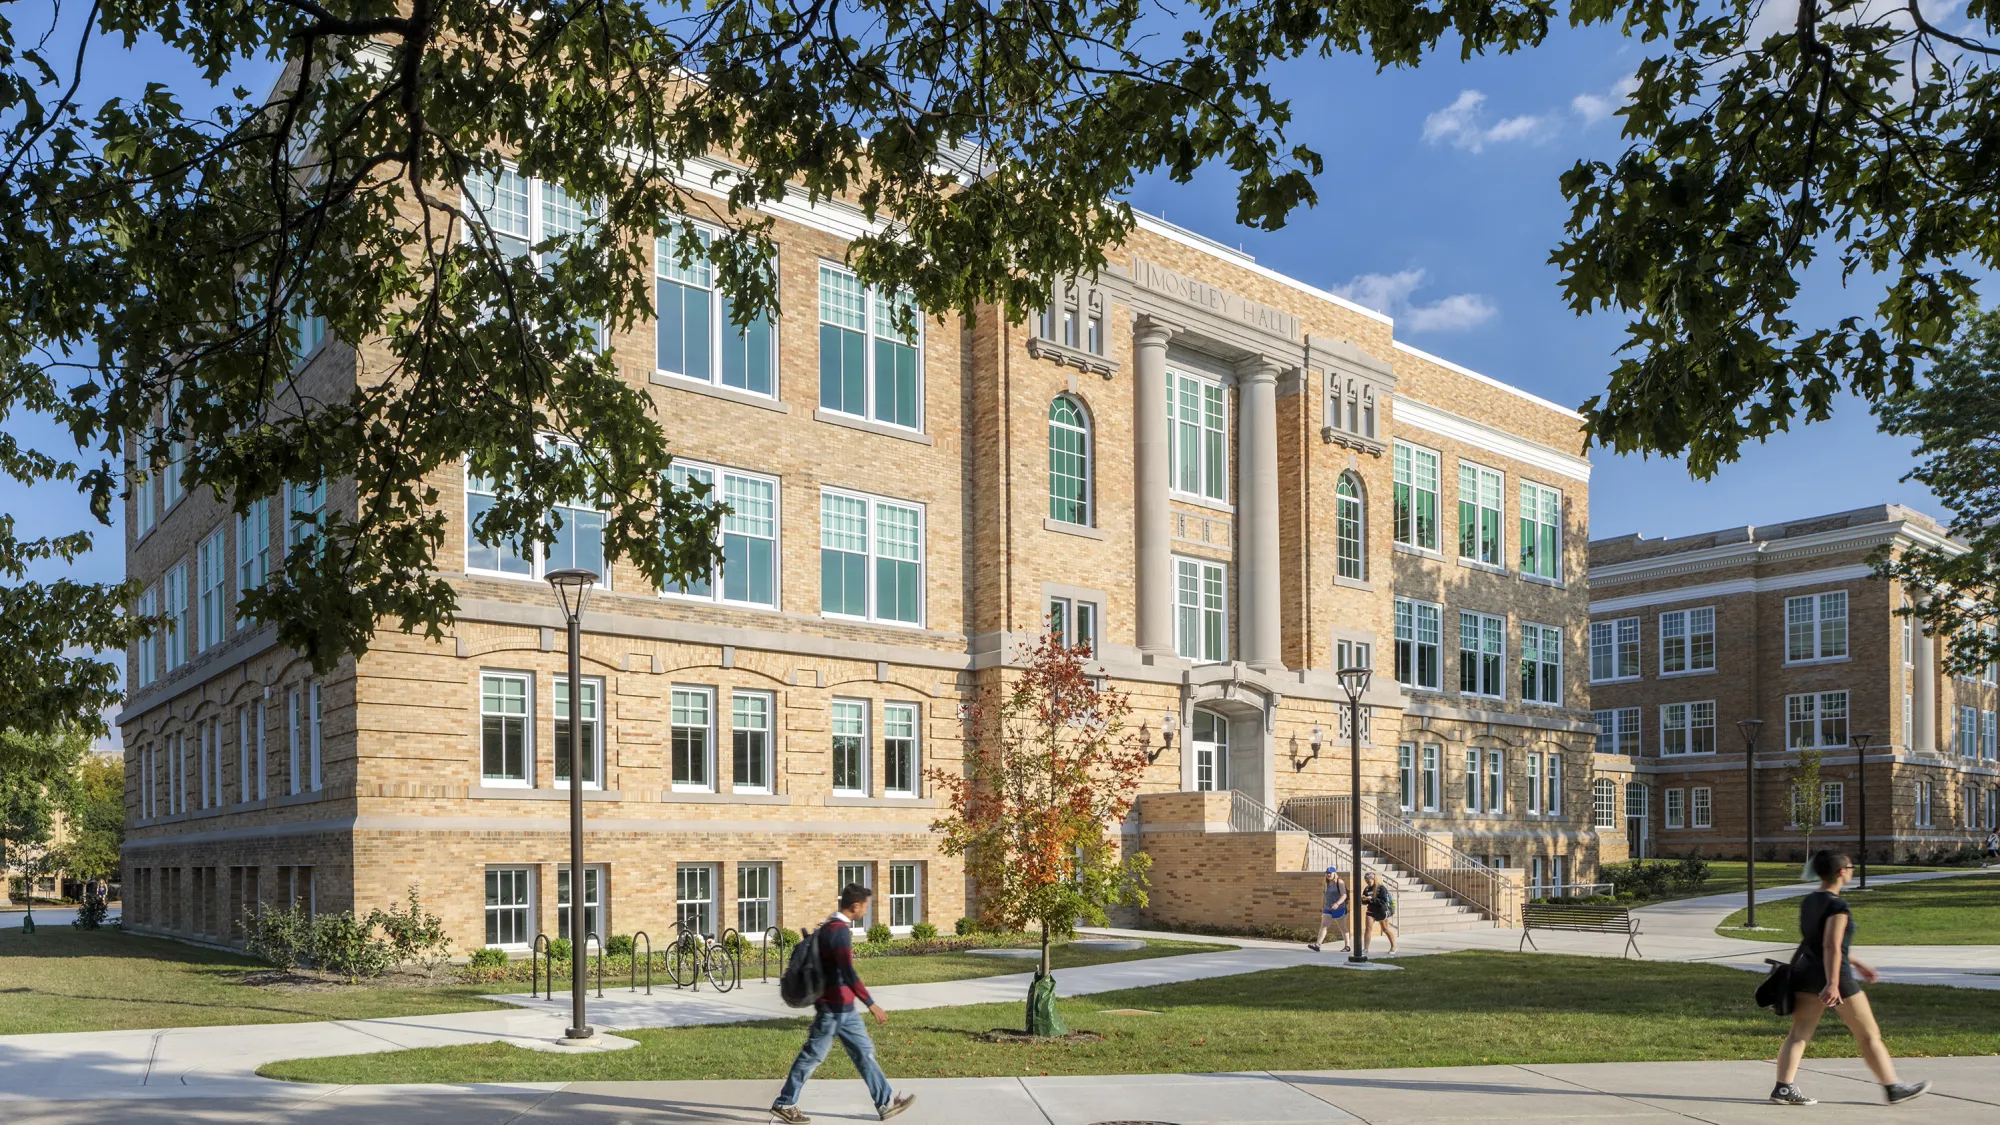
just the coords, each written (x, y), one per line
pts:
(853, 1032)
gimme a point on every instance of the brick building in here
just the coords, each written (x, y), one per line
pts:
(1229, 482)
(1784, 623)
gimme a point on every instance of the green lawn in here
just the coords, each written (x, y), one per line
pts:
(1446, 1010)
(63, 979)
(1725, 876)
(1959, 911)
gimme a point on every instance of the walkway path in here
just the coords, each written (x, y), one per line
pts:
(1667, 1093)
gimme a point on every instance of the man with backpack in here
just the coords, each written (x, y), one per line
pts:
(821, 972)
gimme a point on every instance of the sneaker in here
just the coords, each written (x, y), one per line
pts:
(1313, 945)
(1784, 1093)
(790, 1114)
(901, 1103)
(1904, 1091)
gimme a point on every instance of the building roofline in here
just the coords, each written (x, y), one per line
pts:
(1892, 524)
(1488, 380)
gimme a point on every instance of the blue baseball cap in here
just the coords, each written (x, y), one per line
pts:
(1333, 871)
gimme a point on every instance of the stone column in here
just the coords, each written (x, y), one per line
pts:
(1925, 693)
(1261, 643)
(1151, 528)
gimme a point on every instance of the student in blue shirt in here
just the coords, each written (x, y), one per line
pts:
(1332, 910)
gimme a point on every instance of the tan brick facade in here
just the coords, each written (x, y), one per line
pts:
(406, 792)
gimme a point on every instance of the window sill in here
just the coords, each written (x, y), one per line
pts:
(1086, 532)
(856, 801)
(1354, 584)
(1475, 564)
(492, 792)
(1334, 435)
(1619, 680)
(867, 426)
(1818, 660)
(1689, 672)
(717, 390)
(1065, 355)
(912, 625)
(1419, 552)
(691, 797)
(1552, 583)
(1200, 501)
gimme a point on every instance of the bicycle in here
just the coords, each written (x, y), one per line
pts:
(695, 956)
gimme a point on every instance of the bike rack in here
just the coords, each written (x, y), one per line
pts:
(770, 937)
(592, 939)
(730, 942)
(541, 949)
(636, 939)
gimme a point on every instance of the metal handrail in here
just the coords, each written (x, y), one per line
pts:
(1248, 814)
(1569, 890)
(648, 939)
(1439, 864)
(541, 947)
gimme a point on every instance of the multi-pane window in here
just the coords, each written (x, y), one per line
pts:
(1074, 622)
(1923, 805)
(858, 875)
(520, 213)
(147, 655)
(145, 513)
(747, 572)
(504, 726)
(509, 909)
(1351, 407)
(1069, 462)
(578, 542)
(1406, 776)
(1352, 654)
(1496, 781)
(314, 742)
(175, 585)
(756, 899)
(1479, 513)
(1832, 803)
(871, 559)
(1541, 663)
(1604, 803)
(1198, 437)
(1909, 720)
(1635, 801)
(850, 746)
(1968, 732)
(495, 558)
(592, 748)
(295, 736)
(1676, 808)
(867, 368)
(1816, 719)
(1074, 318)
(243, 754)
(1676, 729)
(1614, 650)
(1701, 807)
(1415, 496)
(593, 901)
(305, 513)
(697, 336)
(694, 898)
(212, 571)
(1534, 783)
(1200, 624)
(1816, 626)
(1474, 778)
(1418, 659)
(1431, 781)
(253, 551)
(1350, 545)
(1211, 752)
(750, 737)
(1482, 654)
(1552, 802)
(1541, 531)
(899, 749)
(1989, 747)
(1687, 640)
(691, 723)
(903, 889)
(172, 484)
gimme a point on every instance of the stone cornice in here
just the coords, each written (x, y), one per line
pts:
(1902, 534)
(1409, 411)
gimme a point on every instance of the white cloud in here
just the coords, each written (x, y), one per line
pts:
(1390, 293)
(1594, 108)
(1462, 125)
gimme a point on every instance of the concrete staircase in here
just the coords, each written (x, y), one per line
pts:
(1420, 908)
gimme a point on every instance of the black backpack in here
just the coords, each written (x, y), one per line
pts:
(804, 978)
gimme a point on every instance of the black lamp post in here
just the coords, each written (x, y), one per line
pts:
(1750, 727)
(1354, 681)
(1860, 743)
(572, 585)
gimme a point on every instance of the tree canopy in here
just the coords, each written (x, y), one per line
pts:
(158, 263)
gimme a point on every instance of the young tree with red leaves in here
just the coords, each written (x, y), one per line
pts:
(1047, 776)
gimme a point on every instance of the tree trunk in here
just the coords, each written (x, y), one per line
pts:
(1042, 1017)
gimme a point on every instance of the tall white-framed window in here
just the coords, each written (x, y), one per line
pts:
(747, 574)
(253, 551)
(696, 336)
(1687, 728)
(1482, 655)
(214, 569)
(506, 729)
(145, 510)
(1475, 778)
(205, 751)
(858, 875)
(579, 538)
(692, 722)
(1074, 622)
(1541, 531)
(305, 512)
(522, 212)
(1414, 499)
(1989, 745)
(1201, 622)
(1406, 776)
(905, 895)
(316, 743)
(1923, 805)
(1552, 797)
(1676, 807)
(243, 738)
(146, 650)
(1210, 746)
(1816, 627)
(850, 747)
(1614, 650)
(172, 485)
(593, 900)
(900, 764)
(1069, 463)
(1604, 803)
(756, 898)
(750, 741)
(1353, 654)
(510, 907)
(867, 369)
(1480, 515)
(1534, 764)
(1198, 437)
(694, 898)
(1909, 638)
(1431, 782)
(1701, 807)
(1816, 719)
(1968, 732)
(1909, 720)
(1350, 529)
(175, 585)
(1419, 662)
(1687, 641)
(1541, 663)
(591, 693)
(295, 738)
(871, 558)
(1832, 803)
(263, 764)
(1496, 780)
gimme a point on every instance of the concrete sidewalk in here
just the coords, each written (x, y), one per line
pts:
(1967, 1092)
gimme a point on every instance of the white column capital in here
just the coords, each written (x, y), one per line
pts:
(1150, 329)
(1259, 369)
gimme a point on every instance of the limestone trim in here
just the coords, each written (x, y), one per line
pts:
(1752, 585)
(1152, 510)
(1479, 435)
(864, 425)
(1084, 530)
(1893, 533)
(1090, 363)
(726, 394)
(521, 826)
(1451, 713)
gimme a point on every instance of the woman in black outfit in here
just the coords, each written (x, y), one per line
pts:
(1825, 976)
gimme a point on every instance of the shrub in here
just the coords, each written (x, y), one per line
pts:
(415, 936)
(736, 943)
(559, 949)
(787, 938)
(878, 934)
(90, 914)
(966, 927)
(488, 958)
(1639, 879)
(283, 938)
(619, 945)
(1690, 874)
(924, 931)
(347, 946)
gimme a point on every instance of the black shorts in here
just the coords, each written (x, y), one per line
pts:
(1810, 976)
(1375, 915)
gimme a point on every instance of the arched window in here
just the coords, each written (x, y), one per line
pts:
(1210, 745)
(1348, 529)
(1604, 803)
(1069, 462)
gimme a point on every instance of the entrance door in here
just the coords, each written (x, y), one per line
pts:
(1210, 746)
(1636, 819)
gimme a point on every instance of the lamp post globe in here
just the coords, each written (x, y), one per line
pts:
(572, 585)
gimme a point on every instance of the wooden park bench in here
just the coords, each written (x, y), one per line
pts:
(1578, 919)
